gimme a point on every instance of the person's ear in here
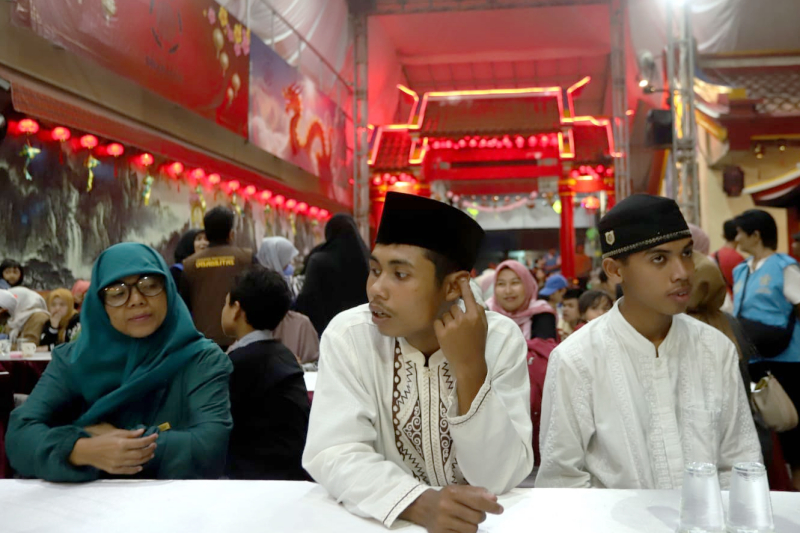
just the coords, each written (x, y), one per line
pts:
(451, 285)
(613, 269)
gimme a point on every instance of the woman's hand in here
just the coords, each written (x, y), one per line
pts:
(99, 429)
(118, 452)
(55, 318)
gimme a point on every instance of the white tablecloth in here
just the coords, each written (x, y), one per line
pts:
(295, 507)
(37, 356)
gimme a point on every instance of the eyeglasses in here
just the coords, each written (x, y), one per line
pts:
(118, 294)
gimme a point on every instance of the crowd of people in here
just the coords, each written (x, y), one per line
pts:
(427, 377)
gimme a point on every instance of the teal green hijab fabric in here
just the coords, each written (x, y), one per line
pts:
(112, 369)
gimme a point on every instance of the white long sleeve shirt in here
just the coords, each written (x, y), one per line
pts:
(385, 428)
(617, 414)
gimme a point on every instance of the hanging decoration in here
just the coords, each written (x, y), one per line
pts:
(91, 163)
(148, 187)
(30, 153)
(235, 203)
(201, 198)
(497, 209)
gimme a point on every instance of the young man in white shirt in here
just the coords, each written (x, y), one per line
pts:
(636, 394)
(415, 392)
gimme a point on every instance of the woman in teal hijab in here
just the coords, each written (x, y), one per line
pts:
(141, 393)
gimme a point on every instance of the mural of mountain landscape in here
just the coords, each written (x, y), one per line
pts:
(56, 228)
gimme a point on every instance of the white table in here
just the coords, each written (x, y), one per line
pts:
(298, 507)
(37, 356)
(311, 380)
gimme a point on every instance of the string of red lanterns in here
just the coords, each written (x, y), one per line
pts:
(29, 126)
(542, 140)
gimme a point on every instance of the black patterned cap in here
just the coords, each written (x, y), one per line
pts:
(641, 222)
(433, 225)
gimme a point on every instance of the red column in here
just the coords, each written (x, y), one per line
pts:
(567, 234)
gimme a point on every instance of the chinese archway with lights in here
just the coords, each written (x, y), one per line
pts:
(498, 142)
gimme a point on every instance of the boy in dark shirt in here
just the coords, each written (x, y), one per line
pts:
(269, 400)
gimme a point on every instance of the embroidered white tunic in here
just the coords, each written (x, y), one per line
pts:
(617, 414)
(385, 427)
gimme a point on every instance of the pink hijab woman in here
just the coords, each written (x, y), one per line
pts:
(515, 293)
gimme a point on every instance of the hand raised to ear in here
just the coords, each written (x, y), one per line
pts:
(462, 334)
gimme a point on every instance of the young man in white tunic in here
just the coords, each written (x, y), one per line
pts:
(415, 392)
(635, 395)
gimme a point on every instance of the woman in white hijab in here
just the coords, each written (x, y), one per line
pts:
(277, 253)
(295, 331)
(27, 314)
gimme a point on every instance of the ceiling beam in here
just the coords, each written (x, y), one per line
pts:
(407, 7)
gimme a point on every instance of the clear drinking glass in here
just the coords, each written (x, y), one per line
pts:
(701, 500)
(750, 507)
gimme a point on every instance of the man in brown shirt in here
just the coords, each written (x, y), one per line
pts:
(208, 275)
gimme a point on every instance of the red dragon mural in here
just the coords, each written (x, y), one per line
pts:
(294, 105)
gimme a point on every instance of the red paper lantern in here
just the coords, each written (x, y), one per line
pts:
(175, 168)
(279, 200)
(146, 159)
(323, 214)
(89, 142)
(591, 203)
(266, 195)
(313, 211)
(250, 190)
(214, 179)
(60, 134)
(197, 174)
(302, 207)
(28, 126)
(291, 203)
(233, 186)
(376, 181)
(115, 149)
(532, 141)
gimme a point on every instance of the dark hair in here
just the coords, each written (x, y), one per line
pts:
(591, 299)
(443, 264)
(10, 263)
(218, 224)
(185, 246)
(573, 294)
(603, 276)
(757, 220)
(263, 295)
(729, 230)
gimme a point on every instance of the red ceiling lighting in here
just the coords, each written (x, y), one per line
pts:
(60, 134)
(214, 179)
(266, 195)
(197, 174)
(115, 149)
(146, 159)
(302, 207)
(376, 181)
(279, 200)
(291, 203)
(250, 190)
(482, 143)
(89, 142)
(28, 126)
(313, 211)
(323, 214)
(233, 186)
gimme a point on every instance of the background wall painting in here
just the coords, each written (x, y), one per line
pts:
(56, 228)
(292, 119)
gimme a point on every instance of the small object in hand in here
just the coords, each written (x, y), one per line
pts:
(164, 427)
